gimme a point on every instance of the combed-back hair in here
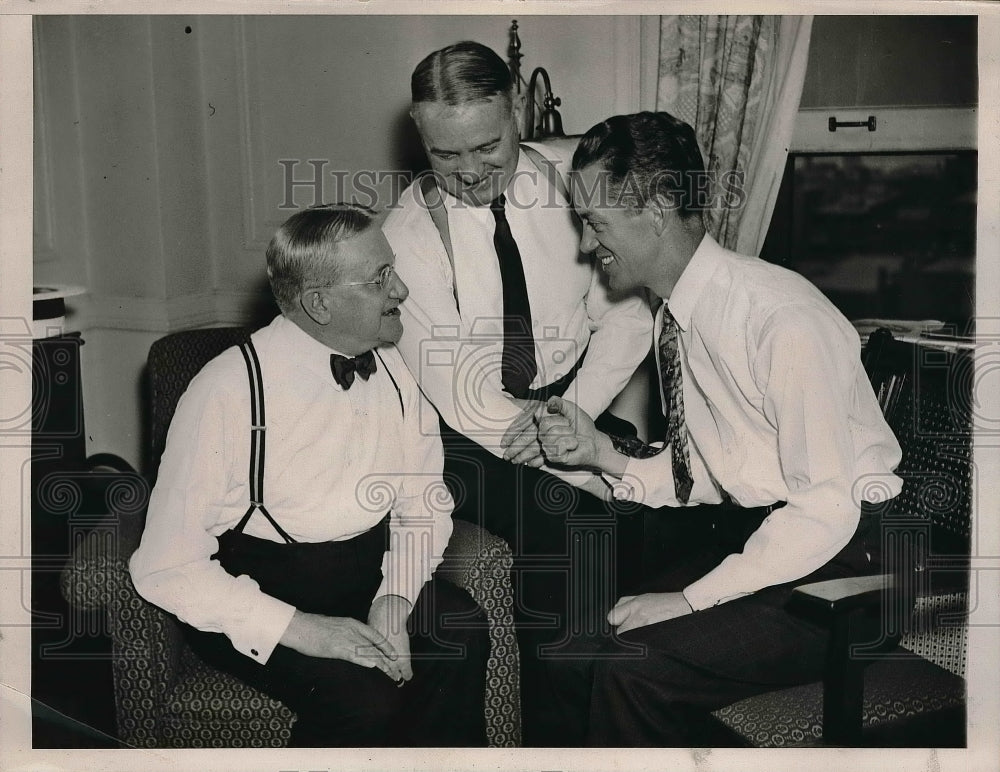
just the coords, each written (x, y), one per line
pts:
(460, 73)
(645, 154)
(301, 252)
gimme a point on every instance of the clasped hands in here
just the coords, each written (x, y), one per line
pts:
(383, 643)
(556, 432)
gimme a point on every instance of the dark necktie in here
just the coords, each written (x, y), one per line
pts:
(518, 366)
(677, 436)
(344, 368)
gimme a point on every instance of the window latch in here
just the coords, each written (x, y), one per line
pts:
(834, 124)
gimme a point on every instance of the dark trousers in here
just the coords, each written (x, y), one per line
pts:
(570, 561)
(653, 686)
(338, 703)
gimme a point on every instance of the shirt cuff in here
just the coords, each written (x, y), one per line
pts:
(405, 584)
(270, 618)
(643, 481)
(711, 590)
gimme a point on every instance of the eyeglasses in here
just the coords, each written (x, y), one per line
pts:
(382, 281)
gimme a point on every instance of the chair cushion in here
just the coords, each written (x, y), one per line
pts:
(897, 688)
(939, 631)
(211, 709)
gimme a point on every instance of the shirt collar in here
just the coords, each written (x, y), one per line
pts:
(299, 347)
(689, 287)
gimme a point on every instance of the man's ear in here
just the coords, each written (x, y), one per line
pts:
(316, 306)
(517, 109)
(415, 113)
(661, 210)
(415, 117)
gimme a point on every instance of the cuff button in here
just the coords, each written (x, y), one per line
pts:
(254, 652)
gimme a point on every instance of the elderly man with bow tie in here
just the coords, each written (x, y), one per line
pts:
(310, 576)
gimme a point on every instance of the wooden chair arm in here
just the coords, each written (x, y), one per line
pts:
(836, 597)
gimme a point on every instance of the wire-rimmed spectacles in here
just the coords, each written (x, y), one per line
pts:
(381, 281)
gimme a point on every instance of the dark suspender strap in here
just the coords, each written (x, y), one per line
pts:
(391, 378)
(257, 436)
(434, 202)
(257, 424)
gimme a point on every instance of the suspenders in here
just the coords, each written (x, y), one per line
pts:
(396, 385)
(258, 433)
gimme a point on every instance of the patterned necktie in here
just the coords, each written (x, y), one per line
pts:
(518, 366)
(677, 436)
(344, 368)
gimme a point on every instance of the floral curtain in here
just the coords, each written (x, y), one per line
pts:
(737, 80)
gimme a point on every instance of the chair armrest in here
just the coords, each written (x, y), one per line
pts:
(480, 563)
(851, 608)
(472, 549)
(834, 598)
(85, 582)
(147, 642)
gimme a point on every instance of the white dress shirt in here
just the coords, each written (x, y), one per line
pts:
(336, 462)
(454, 348)
(778, 408)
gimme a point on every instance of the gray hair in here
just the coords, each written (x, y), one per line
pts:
(302, 249)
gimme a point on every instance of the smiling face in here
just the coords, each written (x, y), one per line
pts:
(357, 314)
(472, 147)
(624, 240)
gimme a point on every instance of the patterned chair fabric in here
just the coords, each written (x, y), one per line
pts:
(164, 695)
(926, 395)
(895, 689)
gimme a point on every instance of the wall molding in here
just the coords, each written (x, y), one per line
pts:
(649, 61)
(246, 73)
(896, 129)
(205, 309)
(44, 246)
(626, 34)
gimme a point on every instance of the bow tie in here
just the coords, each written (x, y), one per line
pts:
(344, 368)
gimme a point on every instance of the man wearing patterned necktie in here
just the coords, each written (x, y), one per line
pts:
(767, 406)
(311, 577)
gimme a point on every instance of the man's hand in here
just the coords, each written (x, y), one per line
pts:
(520, 441)
(568, 434)
(632, 611)
(343, 638)
(388, 616)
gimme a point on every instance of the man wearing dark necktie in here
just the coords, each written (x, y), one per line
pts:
(767, 407)
(518, 366)
(503, 313)
(311, 577)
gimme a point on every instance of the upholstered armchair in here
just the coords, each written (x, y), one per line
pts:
(164, 695)
(898, 641)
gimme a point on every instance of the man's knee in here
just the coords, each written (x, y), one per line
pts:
(361, 708)
(448, 624)
(626, 663)
(451, 610)
(380, 703)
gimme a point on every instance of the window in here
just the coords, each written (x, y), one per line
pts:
(883, 221)
(884, 235)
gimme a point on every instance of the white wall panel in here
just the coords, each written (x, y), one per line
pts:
(158, 148)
